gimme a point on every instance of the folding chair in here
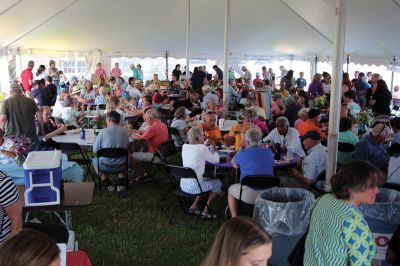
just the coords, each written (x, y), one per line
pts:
(76, 154)
(259, 182)
(391, 186)
(176, 173)
(318, 183)
(346, 147)
(175, 134)
(113, 153)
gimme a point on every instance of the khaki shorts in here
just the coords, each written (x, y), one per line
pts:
(249, 195)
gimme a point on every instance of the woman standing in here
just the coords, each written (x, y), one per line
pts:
(338, 233)
(41, 72)
(380, 97)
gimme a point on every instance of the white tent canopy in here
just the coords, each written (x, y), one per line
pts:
(260, 29)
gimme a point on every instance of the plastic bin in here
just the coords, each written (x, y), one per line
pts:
(284, 214)
(42, 172)
(383, 217)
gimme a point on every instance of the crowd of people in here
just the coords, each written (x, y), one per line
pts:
(292, 122)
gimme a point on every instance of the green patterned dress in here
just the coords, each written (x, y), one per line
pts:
(338, 235)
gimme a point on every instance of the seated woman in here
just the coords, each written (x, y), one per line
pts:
(51, 128)
(89, 96)
(249, 117)
(336, 219)
(254, 160)
(101, 97)
(346, 136)
(70, 113)
(6, 147)
(180, 124)
(29, 247)
(240, 241)
(303, 116)
(194, 155)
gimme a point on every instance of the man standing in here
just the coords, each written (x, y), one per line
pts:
(301, 82)
(53, 73)
(27, 78)
(312, 165)
(220, 73)
(247, 77)
(17, 116)
(113, 136)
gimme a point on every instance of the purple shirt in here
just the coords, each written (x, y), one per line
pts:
(315, 88)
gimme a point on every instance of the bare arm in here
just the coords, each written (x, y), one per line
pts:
(14, 211)
(55, 132)
(3, 121)
(10, 154)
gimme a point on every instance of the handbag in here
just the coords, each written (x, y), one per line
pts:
(296, 257)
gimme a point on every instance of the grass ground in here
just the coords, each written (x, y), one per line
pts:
(131, 231)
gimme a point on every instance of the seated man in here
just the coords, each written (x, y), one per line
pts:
(113, 136)
(11, 209)
(286, 136)
(314, 116)
(312, 165)
(211, 130)
(371, 147)
(254, 160)
(348, 98)
(154, 135)
(112, 105)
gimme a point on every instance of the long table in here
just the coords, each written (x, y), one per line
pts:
(75, 196)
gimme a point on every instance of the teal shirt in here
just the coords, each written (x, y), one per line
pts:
(136, 74)
(338, 235)
(346, 137)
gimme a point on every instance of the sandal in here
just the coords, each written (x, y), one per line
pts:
(193, 211)
(208, 216)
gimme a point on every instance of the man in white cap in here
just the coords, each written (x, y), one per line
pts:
(371, 147)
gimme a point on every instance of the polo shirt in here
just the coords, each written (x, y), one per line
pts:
(310, 125)
(156, 134)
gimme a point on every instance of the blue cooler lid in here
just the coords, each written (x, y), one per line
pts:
(42, 160)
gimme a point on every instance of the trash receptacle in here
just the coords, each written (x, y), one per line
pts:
(383, 217)
(284, 213)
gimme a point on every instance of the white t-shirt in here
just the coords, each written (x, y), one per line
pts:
(180, 125)
(394, 170)
(7, 144)
(291, 141)
(69, 115)
(58, 108)
(195, 156)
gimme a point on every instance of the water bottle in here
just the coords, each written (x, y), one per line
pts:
(82, 134)
(277, 151)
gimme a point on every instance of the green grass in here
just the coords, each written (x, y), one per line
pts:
(130, 231)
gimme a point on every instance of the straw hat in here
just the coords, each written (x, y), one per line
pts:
(76, 89)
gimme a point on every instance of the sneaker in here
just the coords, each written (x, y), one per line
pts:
(120, 188)
(111, 188)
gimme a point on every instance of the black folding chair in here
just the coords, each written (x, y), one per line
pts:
(76, 154)
(346, 147)
(176, 173)
(392, 186)
(318, 184)
(115, 153)
(175, 134)
(258, 182)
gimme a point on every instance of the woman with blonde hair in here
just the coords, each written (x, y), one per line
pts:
(240, 241)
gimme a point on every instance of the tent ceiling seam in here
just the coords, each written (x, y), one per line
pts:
(8, 8)
(308, 23)
(396, 3)
(44, 22)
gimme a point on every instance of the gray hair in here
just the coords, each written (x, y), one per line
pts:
(283, 120)
(251, 114)
(253, 136)
(303, 111)
(206, 88)
(180, 113)
(194, 135)
(16, 88)
(153, 114)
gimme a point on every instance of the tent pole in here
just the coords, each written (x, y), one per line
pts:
(334, 110)
(166, 65)
(187, 39)
(348, 63)
(315, 64)
(392, 81)
(226, 51)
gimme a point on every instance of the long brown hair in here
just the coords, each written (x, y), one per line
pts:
(28, 248)
(236, 237)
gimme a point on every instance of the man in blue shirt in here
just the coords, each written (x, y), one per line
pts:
(254, 160)
(361, 88)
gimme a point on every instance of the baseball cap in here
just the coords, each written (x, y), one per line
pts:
(312, 134)
(313, 113)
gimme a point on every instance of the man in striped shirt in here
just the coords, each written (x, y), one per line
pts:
(10, 208)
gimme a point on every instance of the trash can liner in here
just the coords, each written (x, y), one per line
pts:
(283, 211)
(386, 207)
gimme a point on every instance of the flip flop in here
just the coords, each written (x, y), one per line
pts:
(208, 216)
(193, 211)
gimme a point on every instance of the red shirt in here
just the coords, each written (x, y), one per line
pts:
(26, 75)
(156, 134)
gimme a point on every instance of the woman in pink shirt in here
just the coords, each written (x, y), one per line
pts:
(100, 71)
(116, 71)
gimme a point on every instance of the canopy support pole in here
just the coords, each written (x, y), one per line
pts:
(392, 81)
(187, 40)
(347, 63)
(336, 93)
(315, 64)
(226, 51)
(166, 65)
